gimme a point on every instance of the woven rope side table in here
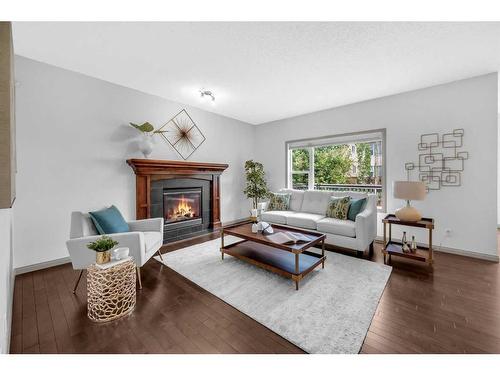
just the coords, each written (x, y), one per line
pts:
(110, 292)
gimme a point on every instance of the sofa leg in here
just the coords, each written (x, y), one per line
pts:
(371, 249)
(359, 254)
(159, 253)
(139, 277)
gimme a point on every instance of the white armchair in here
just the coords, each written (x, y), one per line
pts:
(144, 240)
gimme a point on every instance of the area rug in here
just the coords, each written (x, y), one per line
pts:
(330, 313)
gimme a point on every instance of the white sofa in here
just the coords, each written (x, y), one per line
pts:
(308, 211)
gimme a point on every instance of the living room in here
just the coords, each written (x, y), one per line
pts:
(249, 187)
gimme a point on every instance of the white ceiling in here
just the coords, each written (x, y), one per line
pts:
(262, 72)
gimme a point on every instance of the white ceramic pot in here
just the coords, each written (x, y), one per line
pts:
(120, 253)
(146, 144)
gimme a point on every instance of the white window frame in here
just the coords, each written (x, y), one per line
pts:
(310, 172)
(311, 143)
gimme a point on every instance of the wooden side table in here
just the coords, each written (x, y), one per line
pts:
(423, 253)
(111, 292)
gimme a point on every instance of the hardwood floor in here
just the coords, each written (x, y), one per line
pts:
(452, 309)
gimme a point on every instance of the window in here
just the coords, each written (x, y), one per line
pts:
(349, 162)
(301, 159)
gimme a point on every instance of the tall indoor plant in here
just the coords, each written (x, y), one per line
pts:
(256, 188)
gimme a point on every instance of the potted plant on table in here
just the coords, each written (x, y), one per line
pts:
(256, 188)
(102, 247)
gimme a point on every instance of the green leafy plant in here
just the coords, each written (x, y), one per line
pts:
(147, 128)
(332, 164)
(256, 188)
(104, 243)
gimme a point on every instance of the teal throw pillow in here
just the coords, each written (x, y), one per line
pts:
(109, 220)
(355, 208)
(278, 202)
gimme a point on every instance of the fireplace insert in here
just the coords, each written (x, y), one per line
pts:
(185, 205)
(182, 206)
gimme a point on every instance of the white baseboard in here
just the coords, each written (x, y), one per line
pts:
(465, 253)
(41, 266)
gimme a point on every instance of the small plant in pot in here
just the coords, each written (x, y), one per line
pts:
(102, 247)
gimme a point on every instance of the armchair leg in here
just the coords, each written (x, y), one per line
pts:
(371, 249)
(139, 277)
(77, 281)
(159, 253)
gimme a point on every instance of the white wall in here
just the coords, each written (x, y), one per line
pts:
(6, 278)
(470, 210)
(73, 139)
(498, 174)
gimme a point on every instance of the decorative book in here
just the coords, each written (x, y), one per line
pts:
(288, 238)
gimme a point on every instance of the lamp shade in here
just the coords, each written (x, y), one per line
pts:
(409, 190)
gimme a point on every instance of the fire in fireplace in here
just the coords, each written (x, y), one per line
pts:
(182, 205)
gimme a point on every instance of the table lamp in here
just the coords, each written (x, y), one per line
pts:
(409, 191)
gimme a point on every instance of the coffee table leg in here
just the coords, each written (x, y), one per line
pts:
(222, 243)
(296, 271)
(323, 253)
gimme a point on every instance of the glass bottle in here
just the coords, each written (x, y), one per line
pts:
(404, 242)
(413, 244)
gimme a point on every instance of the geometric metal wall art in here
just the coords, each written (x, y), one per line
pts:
(182, 134)
(441, 160)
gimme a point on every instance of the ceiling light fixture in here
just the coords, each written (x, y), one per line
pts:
(207, 94)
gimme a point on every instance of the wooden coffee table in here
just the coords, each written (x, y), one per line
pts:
(292, 260)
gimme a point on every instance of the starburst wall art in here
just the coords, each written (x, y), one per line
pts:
(182, 134)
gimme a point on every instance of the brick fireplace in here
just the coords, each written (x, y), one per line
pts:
(185, 194)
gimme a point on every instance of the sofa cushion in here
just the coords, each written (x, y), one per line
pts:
(279, 202)
(296, 198)
(304, 220)
(352, 194)
(316, 202)
(277, 217)
(346, 228)
(338, 208)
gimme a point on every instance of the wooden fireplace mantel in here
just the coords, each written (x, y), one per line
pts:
(162, 167)
(147, 170)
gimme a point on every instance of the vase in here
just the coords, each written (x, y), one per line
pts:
(146, 144)
(102, 257)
